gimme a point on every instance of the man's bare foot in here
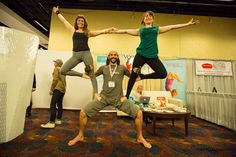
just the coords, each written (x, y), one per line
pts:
(75, 140)
(86, 76)
(144, 142)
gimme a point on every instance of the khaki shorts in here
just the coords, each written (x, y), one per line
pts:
(95, 106)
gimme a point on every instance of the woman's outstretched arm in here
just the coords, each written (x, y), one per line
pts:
(133, 32)
(62, 19)
(163, 29)
(99, 32)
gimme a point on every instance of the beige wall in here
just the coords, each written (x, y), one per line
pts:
(214, 37)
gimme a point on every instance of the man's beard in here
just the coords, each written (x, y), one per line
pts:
(113, 60)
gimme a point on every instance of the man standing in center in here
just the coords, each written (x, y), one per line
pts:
(111, 94)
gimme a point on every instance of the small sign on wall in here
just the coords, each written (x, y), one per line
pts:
(213, 68)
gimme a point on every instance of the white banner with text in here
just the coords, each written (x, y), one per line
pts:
(211, 67)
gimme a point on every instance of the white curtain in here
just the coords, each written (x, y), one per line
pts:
(220, 107)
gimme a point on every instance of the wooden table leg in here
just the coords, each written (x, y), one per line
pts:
(154, 125)
(146, 119)
(173, 122)
(186, 124)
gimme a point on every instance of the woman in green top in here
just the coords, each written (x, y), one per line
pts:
(147, 51)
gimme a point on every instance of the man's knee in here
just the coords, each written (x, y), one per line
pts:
(139, 114)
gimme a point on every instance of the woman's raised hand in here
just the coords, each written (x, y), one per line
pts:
(191, 22)
(55, 9)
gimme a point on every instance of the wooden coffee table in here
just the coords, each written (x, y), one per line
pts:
(167, 115)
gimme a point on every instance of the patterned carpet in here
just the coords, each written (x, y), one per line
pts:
(110, 136)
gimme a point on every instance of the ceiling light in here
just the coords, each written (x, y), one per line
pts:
(40, 25)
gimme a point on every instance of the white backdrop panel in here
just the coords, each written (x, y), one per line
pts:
(78, 91)
(18, 51)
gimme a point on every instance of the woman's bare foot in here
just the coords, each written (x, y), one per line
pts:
(137, 70)
(138, 78)
(75, 140)
(144, 142)
(86, 76)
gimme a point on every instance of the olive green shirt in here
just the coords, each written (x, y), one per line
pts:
(113, 94)
(59, 80)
